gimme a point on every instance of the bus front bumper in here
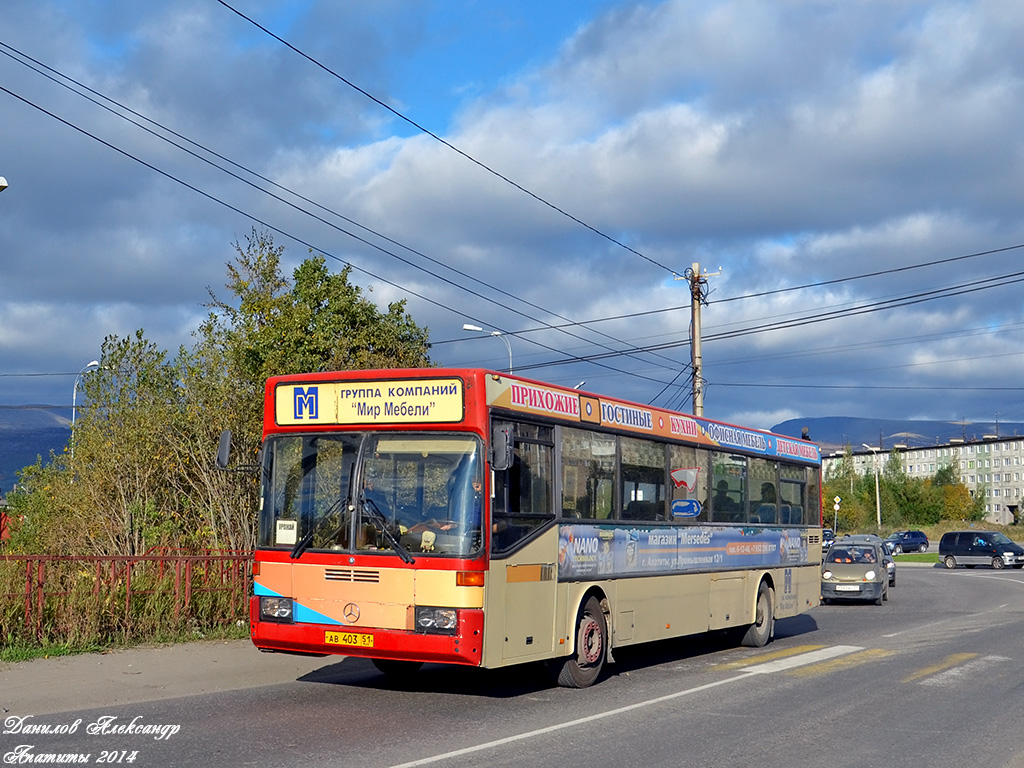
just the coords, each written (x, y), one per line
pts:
(465, 646)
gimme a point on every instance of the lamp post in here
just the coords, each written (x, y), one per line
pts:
(499, 334)
(878, 500)
(74, 397)
(74, 410)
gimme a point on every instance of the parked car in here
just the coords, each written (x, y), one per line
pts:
(827, 537)
(971, 548)
(854, 571)
(908, 541)
(887, 558)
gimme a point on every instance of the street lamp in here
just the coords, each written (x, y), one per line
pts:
(878, 500)
(3, 183)
(74, 394)
(499, 334)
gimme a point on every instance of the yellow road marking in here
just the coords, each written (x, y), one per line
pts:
(950, 661)
(841, 662)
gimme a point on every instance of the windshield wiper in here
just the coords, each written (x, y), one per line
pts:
(306, 540)
(403, 553)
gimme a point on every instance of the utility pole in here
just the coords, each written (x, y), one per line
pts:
(698, 291)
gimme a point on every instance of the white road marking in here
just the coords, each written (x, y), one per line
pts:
(755, 669)
(956, 675)
(812, 657)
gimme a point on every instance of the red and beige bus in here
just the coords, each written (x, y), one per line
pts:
(473, 517)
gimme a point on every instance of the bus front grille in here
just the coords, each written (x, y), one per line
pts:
(351, 574)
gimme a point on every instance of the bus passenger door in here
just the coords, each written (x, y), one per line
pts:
(524, 544)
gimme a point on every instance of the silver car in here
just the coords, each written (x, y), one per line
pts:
(854, 571)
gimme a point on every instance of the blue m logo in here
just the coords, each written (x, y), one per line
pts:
(306, 401)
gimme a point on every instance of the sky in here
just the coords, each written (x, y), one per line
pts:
(849, 175)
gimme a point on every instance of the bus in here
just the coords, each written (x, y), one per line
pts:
(472, 517)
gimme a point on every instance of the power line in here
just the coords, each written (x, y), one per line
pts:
(811, 319)
(805, 320)
(316, 217)
(277, 229)
(893, 387)
(446, 143)
(55, 373)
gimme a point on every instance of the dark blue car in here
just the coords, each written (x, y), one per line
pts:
(908, 541)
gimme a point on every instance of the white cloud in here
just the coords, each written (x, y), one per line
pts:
(789, 144)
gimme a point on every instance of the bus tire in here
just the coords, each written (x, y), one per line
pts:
(760, 632)
(584, 667)
(396, 668)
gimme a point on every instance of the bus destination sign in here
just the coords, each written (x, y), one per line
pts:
(421, 401)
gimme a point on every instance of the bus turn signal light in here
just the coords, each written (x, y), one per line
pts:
(469, 578)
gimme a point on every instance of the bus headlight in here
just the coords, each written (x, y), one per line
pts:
(276, 608)
(437, 620)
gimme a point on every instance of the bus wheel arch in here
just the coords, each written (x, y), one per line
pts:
(591, 644)
(762, 630)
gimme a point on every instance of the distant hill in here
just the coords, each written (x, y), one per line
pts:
(26, 433)
(833, 433)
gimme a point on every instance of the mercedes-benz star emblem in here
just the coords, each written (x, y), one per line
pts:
(351, 613)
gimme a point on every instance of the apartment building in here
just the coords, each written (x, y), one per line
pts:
(990, 467)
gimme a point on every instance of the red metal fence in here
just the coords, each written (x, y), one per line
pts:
(56, 596)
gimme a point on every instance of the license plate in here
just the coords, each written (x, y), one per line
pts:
(847, 587)
(349, 638)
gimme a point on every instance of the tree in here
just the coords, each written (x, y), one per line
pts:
(318, 321)
(139, 473)
(109, 491)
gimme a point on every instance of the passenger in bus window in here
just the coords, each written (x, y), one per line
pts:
(721, 499)
(766, 509)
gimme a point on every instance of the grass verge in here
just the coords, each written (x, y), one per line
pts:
(15, 649)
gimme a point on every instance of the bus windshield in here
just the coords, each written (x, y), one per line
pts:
(388, 493)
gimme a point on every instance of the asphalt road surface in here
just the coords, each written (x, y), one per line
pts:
(933, 677)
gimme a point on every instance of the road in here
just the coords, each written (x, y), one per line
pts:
(933, 677)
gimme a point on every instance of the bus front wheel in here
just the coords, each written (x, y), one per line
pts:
(759, 633)
(584, 667)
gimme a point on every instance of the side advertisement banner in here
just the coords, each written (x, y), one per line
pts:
(606, 551)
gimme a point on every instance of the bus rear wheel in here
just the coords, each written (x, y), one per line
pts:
(584, 667)
(759, 633)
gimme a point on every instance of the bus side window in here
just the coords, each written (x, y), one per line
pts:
(729, 479)
(791, 491)
(642, 469)
(588, 474)
(523, 494)
(688, 473)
